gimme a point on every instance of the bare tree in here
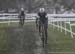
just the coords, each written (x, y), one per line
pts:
(68, 3)
(33, 4)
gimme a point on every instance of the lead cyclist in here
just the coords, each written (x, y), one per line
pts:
(21, 17)
(43, 20)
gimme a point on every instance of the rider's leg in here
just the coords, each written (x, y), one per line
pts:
(36, 22)
(46, 33)
(23, 20)
(39, 27)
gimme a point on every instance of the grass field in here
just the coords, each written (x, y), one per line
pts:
(4, 36)
(59, 43)
(3, 39)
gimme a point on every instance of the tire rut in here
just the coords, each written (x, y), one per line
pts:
(21, 40)
(24, 40)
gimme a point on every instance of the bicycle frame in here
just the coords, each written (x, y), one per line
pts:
(43, 35)
(21, 21)
(42, 31)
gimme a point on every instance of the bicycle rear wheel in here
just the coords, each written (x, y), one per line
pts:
(21, 23)
(43, 37)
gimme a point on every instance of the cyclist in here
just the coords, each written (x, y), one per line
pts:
(22, 17)
(43, 21)
(37, 20)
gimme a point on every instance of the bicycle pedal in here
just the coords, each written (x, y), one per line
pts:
(46, 42)
(40, 34)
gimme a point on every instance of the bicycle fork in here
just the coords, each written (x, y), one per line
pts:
(43, 37)
(21, 23)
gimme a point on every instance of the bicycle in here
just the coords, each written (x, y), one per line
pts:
(43, 38)
(42, 31)
(21, 22)
(43, 35)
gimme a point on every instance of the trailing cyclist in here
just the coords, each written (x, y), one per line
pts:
(43, 21)
(22, 17)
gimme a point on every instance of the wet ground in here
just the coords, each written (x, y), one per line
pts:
(24, 40)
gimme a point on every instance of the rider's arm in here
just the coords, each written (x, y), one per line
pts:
(37, 18)
(46, 16)
(47, 19)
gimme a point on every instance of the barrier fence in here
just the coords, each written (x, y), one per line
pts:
(8, 18)
(60, 19)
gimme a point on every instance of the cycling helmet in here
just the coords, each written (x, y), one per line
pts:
(22, 9)
(42, 9)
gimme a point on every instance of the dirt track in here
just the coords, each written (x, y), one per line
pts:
(24, 40)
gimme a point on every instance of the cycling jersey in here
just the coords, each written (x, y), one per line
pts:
(22, 13)
(42, 17)
(22, 18)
